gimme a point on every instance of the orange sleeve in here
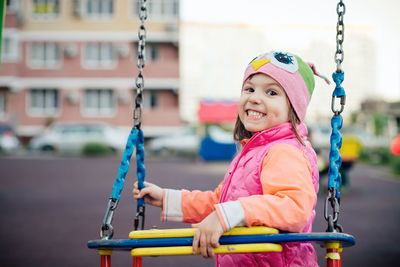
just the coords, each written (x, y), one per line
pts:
(288, 193)
(196, 205)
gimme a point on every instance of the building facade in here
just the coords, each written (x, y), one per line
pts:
(76, 60)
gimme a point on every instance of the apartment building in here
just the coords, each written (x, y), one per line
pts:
(66, 60)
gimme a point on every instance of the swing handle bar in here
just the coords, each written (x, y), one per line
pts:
(106, 230)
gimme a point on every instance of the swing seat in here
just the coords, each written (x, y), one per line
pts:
(187, 250)
(240, 239)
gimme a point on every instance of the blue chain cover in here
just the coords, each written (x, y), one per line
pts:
(335, 159)
(338, 78)
(135, 139)
(141, 171)
(124, 165)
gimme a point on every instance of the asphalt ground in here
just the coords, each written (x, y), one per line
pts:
(51, 207)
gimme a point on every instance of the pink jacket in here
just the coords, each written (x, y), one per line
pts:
(273, 181)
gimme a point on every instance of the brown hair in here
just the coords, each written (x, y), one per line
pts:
(240, 132)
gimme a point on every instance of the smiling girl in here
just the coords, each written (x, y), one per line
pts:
(272, 181)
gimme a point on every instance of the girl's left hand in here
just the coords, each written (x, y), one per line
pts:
(207, 235)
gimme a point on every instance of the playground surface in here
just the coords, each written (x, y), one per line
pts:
(51, 207)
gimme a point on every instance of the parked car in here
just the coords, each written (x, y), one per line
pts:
(185, 141)
(9, 141)
(320, 135)
(70, 138)
(320, 138)
(367, 140)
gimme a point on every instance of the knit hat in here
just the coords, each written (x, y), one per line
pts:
(292, 73)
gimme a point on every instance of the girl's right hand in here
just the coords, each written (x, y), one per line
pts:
(152, 194)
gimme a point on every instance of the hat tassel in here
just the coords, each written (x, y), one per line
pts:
(312, 66)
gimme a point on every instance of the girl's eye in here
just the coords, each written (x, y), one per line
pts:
(248, 89)
(271, 92)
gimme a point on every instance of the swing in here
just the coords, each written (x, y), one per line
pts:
(239, 239)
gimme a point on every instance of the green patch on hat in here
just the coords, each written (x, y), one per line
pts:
(307, 74)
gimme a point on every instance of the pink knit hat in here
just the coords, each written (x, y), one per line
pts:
(292, 73)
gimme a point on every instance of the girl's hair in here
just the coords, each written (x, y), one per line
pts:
(240, 132)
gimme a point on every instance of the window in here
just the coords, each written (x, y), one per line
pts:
(99, 55)
(98, 102)
(10, 47)
(2, 104)
(99, 8)
(12, 5)
(151, 51)
(153, 99)
(150, 99)
(159, 9)
(44, 101)
(44, 55)
(46, 9)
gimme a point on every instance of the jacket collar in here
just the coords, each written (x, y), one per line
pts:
(282, 131)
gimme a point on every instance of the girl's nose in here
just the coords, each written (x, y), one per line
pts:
(255, 98)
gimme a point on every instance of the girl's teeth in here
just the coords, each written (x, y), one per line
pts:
(254, 114)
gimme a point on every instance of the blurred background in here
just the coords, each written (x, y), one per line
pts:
(67, 80)
(68, 67)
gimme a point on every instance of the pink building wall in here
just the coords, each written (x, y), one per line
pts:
(71, 68)
(165, 66)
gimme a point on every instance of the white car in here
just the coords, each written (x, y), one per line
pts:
(367, 140)
(9, 141)
(321, 134)
(186, 141)
(70, 138)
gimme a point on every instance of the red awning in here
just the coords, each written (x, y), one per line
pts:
(217, 111)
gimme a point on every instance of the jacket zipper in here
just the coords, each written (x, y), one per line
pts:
(226, 186)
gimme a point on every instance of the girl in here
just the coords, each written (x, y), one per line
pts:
(273, 181)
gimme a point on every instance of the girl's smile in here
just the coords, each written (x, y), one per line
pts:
(255, 114)
(263, 104)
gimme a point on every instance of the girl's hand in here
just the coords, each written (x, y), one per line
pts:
(153, 194)
(207, 235)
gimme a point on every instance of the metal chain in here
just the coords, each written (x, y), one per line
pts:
(332, 201)
(107, 230)
(137, 112)
(334, 180)
(135, 140)
(339, 55)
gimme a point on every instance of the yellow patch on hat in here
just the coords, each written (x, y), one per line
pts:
(259, 63)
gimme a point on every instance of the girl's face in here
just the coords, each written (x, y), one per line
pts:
(263, 103)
